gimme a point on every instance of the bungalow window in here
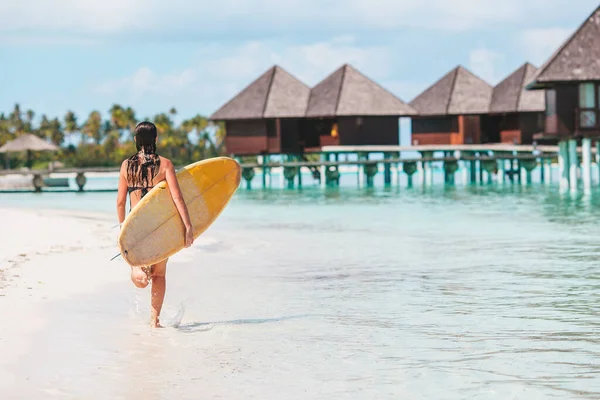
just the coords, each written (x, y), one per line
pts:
(588, 105)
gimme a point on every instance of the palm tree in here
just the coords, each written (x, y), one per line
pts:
(44, 130)
(217, 145)
(70, 123)
(92, 128)
(57, 135)
(118, 117)
(5, 134)
(194, 137)
(28, 124)
(129, 119)
(16, 121)
(197, 126)
(174, 140)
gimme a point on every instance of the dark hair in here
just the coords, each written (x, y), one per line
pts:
(143, 166)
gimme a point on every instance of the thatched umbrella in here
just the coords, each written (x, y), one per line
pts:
(29, 143)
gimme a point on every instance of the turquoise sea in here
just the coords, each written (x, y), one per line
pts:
(473, 291)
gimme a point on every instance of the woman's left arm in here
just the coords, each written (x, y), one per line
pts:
(122, 193)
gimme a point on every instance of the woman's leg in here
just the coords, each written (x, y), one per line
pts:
(158, 291)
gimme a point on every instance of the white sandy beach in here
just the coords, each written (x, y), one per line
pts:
(45, 256)
(73, 326)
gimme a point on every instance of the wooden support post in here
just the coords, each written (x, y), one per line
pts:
(370, 172)
(38, 182)
(465, 169)
(387, 171)
(297, 157)
(323, 170)
(548, 168)
(500, 172)
(427, 177)
(80, 180)
(573, 165)
(563, 165)
(332, 176)
(489, 167)
(262, 161)
(473, 170)
(268, 160)
(409, 169)
(598, 159)
(529, 166)
(450, 168)
(586, 158)
(248, 174)
(361, 169)
(284, 158)
(290, 173)
(481, 169)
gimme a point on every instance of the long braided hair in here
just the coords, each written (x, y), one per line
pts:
(143, 166)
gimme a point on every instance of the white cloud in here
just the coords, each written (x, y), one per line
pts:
(93, 16)
(184, 19)
(45, 40)
(540, 44)
(484, 63)
(222, 72)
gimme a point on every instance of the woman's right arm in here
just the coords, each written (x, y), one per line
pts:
(171, 178)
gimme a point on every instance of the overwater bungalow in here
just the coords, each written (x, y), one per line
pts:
(278, 114)
(454, 110)
(571, 81)
(267, 116)
(517, 113)
(348, 108)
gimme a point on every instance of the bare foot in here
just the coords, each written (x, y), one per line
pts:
(139, 277)
(155, 324)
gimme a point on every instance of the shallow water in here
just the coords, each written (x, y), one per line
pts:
(472, 292)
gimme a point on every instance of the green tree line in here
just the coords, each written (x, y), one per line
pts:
(107, 142)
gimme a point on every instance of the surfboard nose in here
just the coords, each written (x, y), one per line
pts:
(236, 176)
(235, 170)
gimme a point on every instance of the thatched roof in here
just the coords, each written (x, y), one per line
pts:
(578, 59)
(456, 93)
(26, 142)
(511, 96)
(275, 94)
(347, 92)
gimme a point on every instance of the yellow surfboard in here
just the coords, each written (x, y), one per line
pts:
(154, 231)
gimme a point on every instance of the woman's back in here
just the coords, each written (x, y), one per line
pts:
(143, 173)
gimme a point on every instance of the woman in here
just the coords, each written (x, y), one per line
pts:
(140, 173)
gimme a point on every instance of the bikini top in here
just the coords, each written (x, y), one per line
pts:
(144, 190)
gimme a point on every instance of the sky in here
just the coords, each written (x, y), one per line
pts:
(85, 55)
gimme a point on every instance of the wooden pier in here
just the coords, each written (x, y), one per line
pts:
(480, 164)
